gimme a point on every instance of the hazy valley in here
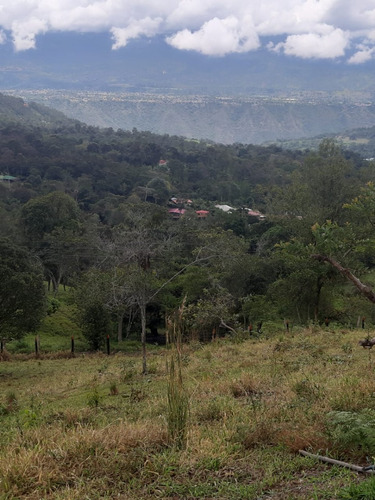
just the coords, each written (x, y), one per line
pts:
(248, 120)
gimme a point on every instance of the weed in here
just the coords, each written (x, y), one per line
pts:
(178, 405)
(28, 418)
(11, 402)
(262, 432)
(212, 410)
(354, 394)
(152, 368)
(307, 390)
(113, 389)
(347, 348)
(207, 355)
(127, 371)
(94, 398)
(361, 491)
(136, 395)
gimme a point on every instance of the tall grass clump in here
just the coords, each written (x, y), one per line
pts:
(178, 400)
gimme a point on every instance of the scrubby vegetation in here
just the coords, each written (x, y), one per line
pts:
(93, 427)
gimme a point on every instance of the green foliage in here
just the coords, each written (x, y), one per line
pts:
(256, 308)
(211, 311)
(22, 291)
(53, 305)
(95, 323)
(94, 398)
(42, 215)
(86, 199)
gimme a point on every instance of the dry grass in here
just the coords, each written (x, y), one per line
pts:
(41, 463)
(252, 407)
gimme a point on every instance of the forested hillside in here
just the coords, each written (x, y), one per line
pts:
(129, 220)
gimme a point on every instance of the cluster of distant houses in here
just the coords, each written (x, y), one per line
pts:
(179, 206)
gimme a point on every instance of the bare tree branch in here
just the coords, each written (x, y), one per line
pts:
(364, 289)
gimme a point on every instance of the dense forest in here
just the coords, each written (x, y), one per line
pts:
(144, 228)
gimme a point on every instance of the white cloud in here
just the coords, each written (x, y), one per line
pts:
(147, 27)
(218, 37)
(307, 28)
(316, 46)
(24, 33)
(363, 54)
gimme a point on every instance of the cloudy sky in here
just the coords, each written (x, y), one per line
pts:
(309, 29)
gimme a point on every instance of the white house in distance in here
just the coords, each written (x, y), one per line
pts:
(253, 213)
(225, 208)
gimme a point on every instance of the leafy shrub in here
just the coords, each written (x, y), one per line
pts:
(53, 305)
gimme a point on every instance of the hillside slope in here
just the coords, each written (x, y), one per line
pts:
(15, 109)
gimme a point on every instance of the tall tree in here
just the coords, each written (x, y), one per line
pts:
(52, 228)
(22, 292)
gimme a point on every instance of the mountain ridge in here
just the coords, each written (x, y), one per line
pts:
(226, 120)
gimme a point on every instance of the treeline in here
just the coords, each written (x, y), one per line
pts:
(87, 208)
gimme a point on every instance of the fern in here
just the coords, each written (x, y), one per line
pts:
(353, 431)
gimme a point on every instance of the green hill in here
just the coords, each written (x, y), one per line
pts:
(13, 109)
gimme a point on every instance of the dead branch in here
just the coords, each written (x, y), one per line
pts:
(227, 326)
(364, 289)
(357, 468)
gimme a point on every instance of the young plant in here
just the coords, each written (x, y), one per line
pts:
(178, 400)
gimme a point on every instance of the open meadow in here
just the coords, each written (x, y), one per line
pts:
(92, 426)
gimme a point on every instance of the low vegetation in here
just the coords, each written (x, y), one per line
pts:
(93, 426)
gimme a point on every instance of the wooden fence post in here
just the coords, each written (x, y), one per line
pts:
(37, 347)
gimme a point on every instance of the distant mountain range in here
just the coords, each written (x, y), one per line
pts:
(292, 124)
(250, 98)
(86, 62)
(252, 120)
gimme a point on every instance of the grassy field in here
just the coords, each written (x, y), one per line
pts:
(93, 427)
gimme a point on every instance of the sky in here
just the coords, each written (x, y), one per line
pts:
(337, 30)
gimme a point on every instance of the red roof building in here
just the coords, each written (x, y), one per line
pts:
(202, 213)
(176, 213)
